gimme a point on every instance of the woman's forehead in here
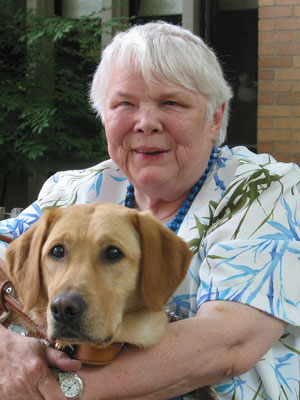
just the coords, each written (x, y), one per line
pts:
(129, 74)
(126, 83)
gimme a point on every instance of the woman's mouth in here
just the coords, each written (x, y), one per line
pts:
(151, 152)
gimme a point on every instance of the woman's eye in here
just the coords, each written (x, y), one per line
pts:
(112, 253)
(171, 103)
(57, 251)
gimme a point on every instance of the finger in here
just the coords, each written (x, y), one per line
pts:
(61, 360)
(50, 389)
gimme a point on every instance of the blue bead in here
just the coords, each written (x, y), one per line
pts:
(173, 226)
(130, 196)
(186, 204)
(178, 218)
(182, 210)
(130, 204)
(191, 196)
(130, 188)
(195, 189)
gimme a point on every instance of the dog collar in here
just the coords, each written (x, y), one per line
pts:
(91, 355)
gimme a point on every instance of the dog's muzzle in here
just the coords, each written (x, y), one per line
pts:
(67, 310)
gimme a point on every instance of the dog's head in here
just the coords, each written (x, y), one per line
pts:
(83, 269)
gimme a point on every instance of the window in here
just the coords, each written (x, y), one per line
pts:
(164, 10)
(231, 29)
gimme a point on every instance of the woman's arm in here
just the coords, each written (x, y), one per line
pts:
(224, 339)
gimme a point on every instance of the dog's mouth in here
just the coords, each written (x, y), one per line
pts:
(72, 336)
(68, 332)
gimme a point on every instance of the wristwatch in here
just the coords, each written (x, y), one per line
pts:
(71, 385)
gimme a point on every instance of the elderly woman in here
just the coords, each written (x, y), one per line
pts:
(164, 102)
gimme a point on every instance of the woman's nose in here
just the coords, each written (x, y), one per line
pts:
(147, 121)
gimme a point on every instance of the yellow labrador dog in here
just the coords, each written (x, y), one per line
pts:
(98, 274)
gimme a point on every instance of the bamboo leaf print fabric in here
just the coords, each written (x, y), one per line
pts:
(243, 228)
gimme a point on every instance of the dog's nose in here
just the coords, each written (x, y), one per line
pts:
(67, 307)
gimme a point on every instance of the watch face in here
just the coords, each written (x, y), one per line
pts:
(71, 386)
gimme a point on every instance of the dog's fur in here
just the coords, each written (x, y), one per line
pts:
(98, 274)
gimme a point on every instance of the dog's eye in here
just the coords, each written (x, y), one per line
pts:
(57, 252)
(113, 254)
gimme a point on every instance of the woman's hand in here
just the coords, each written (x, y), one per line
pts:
(25, 374)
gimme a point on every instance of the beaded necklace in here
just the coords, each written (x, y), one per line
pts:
(175, 223)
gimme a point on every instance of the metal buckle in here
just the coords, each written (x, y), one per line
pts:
(213, 393)
(18, 329)
(69, 349)
(5, 288)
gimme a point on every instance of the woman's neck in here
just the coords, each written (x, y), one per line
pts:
(164, 210)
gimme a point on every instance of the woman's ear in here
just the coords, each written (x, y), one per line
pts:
(165, 260)
(216, 122)
(23, 258)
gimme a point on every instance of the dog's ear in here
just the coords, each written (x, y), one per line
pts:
(165, 260)
(24, 257)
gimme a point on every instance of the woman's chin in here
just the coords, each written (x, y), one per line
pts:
(151, 177)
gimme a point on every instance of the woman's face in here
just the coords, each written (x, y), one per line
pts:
(157, 133)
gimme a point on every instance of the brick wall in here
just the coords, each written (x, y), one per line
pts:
(278, 115)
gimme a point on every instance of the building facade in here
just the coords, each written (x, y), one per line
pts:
(278, 114)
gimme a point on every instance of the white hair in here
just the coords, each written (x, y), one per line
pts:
(165, 53)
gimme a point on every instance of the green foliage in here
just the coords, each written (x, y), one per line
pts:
(46, 66)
